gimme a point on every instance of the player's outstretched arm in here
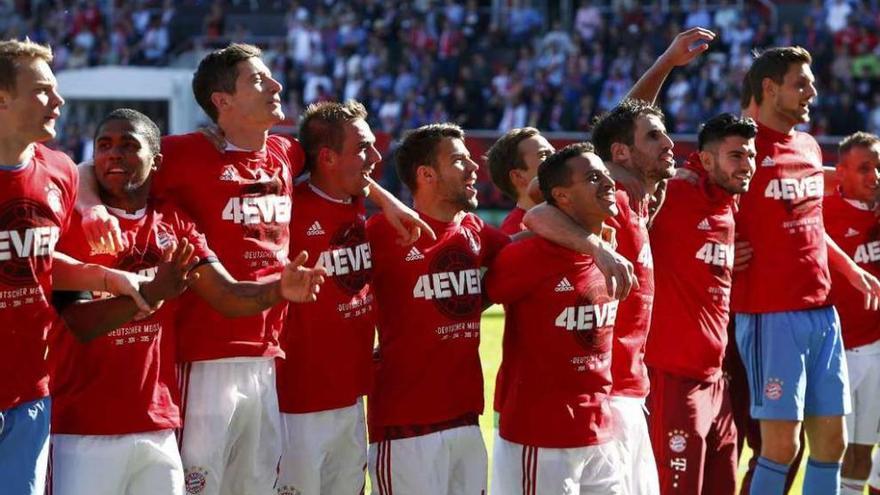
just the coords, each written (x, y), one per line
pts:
(866, 283)
(89, 319)
(100, 227)
(685, 47)
(551, 224)
(234, 298)
(71, 274)
(405, 221)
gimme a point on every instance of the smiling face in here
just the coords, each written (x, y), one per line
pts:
(257, 97)
(352, 166)
(31, 109)
(651, 152)
(123, 164)
(456, 174)
(590, 197)
(730, 163)
(790, 101)
(858, 171)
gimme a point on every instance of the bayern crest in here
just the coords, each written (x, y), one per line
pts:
(677, 441)
(53, 198)
(773, 389)
(195, 480)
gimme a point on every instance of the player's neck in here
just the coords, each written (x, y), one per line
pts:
(524, 201)
(243, 136)
(769, 117)
(847, 195)
(437, 208)
(636, 182)
(129, 201)
(14, 151)
(326, 186)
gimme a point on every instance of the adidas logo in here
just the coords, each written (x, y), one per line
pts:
(767, 162)
(228, 174)
(704, 225)
(564, 286)
(851, 232)
(315, 229)
(414, 254)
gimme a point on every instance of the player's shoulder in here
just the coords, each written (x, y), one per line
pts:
(183, 148)
(288, 147)
(55, 160)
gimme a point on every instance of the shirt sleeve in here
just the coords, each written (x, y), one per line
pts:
(493, 241)
(186, 229)
(509, 278)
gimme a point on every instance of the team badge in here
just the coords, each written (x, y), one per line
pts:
(773, 389)
(287, 490)
(678, 441)
(165, 239)
(53, 197)
(195, 480)
(229, 174)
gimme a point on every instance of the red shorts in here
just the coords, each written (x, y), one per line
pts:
(693, 435)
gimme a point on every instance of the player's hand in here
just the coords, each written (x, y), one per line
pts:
(215, 135)
(742, 255)
(102, 231)
(620, 278)
(406, 222)
(686, 46)
(174, 274)
(868, 285)
(120, 283)
(301, 284)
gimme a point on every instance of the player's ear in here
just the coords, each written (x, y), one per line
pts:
(768, 86)
(707, 159)
(5, 97)
(426, 173)
(220, 100)
(560, 196)
(157, 161)
(517, 178)
(326, 156)
(619, 153)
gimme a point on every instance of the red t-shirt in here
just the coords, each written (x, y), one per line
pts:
(429, 300)
(692, 237)
(559, 322)
(512, 223)
(242, 202)
(854, 227)
(634, 315)
(125, 381)
(329, 342)
(35, 206)
(781, 217)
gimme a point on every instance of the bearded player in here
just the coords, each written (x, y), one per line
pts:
(787, 333)
(37, 193)
(428, 392)
(132, 370)
(555, 433)
(851, 220)
(240, 198)
(632, 141)
(329, 344)
(513, 163)
(692, 237)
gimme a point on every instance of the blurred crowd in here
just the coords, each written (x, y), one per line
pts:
(413, 62)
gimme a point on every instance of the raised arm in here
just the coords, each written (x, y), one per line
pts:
(681, 51)
(551, 224)
(234, 298)
(866, 283)
(71, 274)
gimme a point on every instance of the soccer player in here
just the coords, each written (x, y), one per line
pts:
(555, 432)
(428, 392)
(132, 370)
(632, 141)
(513, 163)
(37, 192)
(692, 238)
(851, 220)
(240, 198)
(329, 344)
(787, 334)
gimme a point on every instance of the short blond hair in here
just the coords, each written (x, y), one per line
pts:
(11, 51)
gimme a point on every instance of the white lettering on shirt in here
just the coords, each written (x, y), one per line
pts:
(716, 254)
(789, 188)
(346, 260)
(260, 209)
(868, 253)
(444, 285)
(35, 241)
(587, 317)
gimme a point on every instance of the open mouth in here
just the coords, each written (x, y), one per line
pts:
(470, 185)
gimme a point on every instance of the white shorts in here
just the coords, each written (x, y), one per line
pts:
(522, 470)
(448, 462)
(631, 435)
(863, 423)
(323, 452)
(135, 464)
(231, 437)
